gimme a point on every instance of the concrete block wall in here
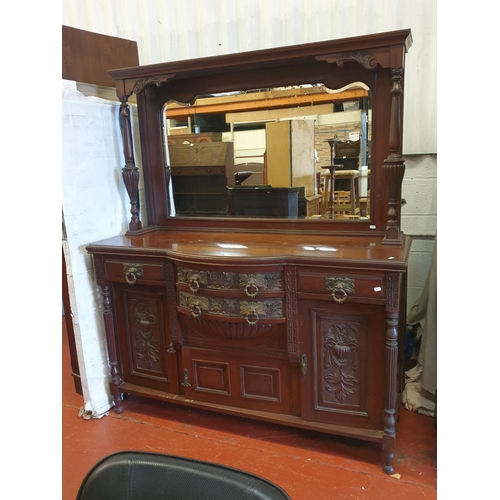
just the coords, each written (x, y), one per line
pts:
(419, 218)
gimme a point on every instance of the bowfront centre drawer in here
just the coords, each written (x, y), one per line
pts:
(341, 286)
(134, 271)
(231, 296)
(250, 285)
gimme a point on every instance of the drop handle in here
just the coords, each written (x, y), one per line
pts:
(252, 317)
(194, 284)
(251, 288)
(132, 272)
(339, 287)
(196, 310)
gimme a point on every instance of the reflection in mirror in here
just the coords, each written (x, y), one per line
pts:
(269, 153)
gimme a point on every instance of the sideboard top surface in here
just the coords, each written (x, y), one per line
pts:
(258, 248)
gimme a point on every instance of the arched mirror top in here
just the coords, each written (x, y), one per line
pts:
(264, 87)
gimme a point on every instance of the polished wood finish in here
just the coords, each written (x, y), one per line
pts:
(296, 322)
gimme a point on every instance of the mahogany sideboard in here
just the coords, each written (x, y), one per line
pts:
(291, 321)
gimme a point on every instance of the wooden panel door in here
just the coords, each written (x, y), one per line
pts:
(342, 360)
(234, 379)
(143, 335)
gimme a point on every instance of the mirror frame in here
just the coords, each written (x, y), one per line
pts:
(376, 60)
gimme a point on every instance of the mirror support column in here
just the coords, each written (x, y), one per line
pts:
(394, 165)
(130, 172)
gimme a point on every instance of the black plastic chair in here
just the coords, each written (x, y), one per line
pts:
(134, 475)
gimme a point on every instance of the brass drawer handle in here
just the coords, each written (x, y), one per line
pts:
(132, 272)
(339, 295)
(339, 288)
(251, 288)
(252, 317)
(193, 283)
(196, 310)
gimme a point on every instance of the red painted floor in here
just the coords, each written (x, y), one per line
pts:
(307, 465)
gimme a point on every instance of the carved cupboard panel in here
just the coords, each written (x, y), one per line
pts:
(143, 334)
(343, 347)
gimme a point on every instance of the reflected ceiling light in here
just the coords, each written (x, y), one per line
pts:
(321, 249)
(231, 245)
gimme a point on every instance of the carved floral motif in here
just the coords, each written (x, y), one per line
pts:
(340, 344)
(146, 336)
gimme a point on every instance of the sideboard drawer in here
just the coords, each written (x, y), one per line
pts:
(251, 311)
(340, 286)
(132, 272)
(249, 285)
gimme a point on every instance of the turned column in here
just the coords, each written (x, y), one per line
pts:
(109, 327)
(130, 172)
(391, 366)
(394, 165)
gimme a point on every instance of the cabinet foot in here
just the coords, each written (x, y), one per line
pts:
(388, 467)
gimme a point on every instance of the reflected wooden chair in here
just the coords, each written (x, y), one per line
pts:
(345, 203)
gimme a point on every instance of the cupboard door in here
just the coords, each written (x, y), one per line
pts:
(342, 363)
(143, 335)
(235, 379)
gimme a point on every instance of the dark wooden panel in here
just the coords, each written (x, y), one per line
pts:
(143, 334)
(345, 355)
(87, 56)
(236, 379)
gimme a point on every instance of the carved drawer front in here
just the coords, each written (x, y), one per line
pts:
(235, 380)
(250, 285)
(134, 271)
(340, 286)
(230, 308)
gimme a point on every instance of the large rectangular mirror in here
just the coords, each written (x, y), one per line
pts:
(295, 101)
(269, 153)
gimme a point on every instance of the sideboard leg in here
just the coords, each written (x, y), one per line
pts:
(391, 358)
(109, 325)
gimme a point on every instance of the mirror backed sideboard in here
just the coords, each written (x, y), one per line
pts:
(264, 307)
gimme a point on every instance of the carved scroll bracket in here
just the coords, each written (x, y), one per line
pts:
(364, 58)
